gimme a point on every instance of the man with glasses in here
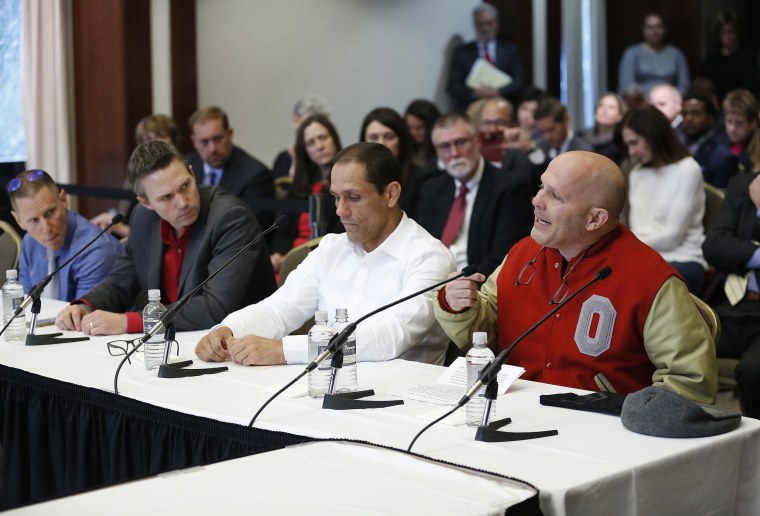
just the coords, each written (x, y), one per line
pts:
(53, 234)
(637, 327)
(475, 209)
(217, 161)
(179, 235)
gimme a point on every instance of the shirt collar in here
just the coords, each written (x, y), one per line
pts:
(168, 236)
(393, 245)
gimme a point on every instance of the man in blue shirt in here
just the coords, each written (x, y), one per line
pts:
(54, 233)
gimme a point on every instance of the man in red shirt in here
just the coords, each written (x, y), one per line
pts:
(638, 327)
(179, 235)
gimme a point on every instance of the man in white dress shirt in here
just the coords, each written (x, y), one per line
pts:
(382, 256)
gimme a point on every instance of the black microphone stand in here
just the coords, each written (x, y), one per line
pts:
(488, 432)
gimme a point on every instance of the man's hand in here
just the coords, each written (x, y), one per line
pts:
(255, 350)
(754, 191)
(462, 293)
(213, 346)
(517, 138)
(101, 322)
(277, 259)
(70, 318)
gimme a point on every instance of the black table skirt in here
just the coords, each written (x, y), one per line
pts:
(59, 438)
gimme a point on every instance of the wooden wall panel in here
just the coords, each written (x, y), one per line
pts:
(184, 67)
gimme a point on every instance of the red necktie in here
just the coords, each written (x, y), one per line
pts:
(456, 217)
(487, 54)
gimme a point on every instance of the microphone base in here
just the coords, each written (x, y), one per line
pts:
(177, 370)
(45, 340)
(491, 434)
(353, 401)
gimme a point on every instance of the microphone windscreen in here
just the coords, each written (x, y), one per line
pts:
(117, 218)
(470, 270)
(279, 221)
(606, 271)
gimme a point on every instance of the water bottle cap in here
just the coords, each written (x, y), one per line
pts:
(154, 294)
(341, 313)
(479, 337)
(11, 274)
(320, 315)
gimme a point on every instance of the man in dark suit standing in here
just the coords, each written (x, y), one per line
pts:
(475, 209)
(732, 248)
(180, 234)
(217, 161)
(501, 54)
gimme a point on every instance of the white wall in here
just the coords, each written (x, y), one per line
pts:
(256, 58)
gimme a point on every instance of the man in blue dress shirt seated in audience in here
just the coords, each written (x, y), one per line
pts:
(54, 234)
(179, 234)
(383, 256)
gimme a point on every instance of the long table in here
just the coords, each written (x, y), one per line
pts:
(594, 465)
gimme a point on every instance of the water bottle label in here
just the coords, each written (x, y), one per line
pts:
(16, 302)
(349, 348)
(325, 365)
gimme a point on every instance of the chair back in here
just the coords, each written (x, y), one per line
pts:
(713, 200)
(10, 248)
(294, 257)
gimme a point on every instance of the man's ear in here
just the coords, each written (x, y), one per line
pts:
(64, 198)
(15, 217)
(393, 193)
(144, 202)
(598, 217)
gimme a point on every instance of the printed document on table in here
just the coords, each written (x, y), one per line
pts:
(484, 73)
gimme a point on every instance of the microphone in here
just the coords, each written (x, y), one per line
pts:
(36, 291)
(336, 343)
(167, 319)
(489, 372)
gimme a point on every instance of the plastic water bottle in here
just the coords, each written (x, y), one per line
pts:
(347, 374)
(477, 358)
(13, 296)
(319, 337)
(152, 313)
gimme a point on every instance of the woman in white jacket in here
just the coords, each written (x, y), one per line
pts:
(666, 197)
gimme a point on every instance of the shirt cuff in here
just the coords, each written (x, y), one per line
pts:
(88, 306)
(445, 306)
(754, 261)
(134, 322)
(296, 349)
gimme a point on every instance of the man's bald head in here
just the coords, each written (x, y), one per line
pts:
(598, 178)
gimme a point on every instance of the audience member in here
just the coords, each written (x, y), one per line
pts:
(732, 248)
(283, 165)
(494, 115)
(152, 127)
(501, 54)
(668, 100)
(653, 61)
(637, 327)
(526, 108)
(384, 255)
(666, 197)
(54, 234)
(740, 110)
(420, 116)
(730, 65)
(317, 144)
(610, 109)
(476, 210)
(703, 142)
(384, 125)
(179, 235)
(217, 161)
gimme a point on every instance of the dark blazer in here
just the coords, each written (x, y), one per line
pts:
(223, 227)
(245, 177)
(507, 60)
(728, 245)
(502, 214)
(717, 161)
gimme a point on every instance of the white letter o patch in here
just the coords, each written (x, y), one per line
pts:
(593, 334)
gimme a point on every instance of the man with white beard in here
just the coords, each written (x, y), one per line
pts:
(475, 209)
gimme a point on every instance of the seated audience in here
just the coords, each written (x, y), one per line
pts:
(668, 100)
(740, 112)
(732, 248)
(637, 327)
(179, 235)
(704, 143)
(475, 209)
(420, 116)
(317, 144)
(526, 109)
(54, 234)
(284, 162)
(383, 256)
(493, 116)
(652, 61)
(666, 197)
(610, 109)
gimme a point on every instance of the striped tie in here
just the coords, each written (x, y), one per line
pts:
(735, 287)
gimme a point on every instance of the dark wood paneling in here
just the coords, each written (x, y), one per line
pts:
(184, 66)
(111, 47)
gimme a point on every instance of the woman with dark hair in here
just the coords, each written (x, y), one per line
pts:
(610, 109)
(384, 125)
(420, 116)
(317, 144)
(666, 196)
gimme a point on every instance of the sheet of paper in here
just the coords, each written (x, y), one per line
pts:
(438, 394)
(456, 374)
(484, 73)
